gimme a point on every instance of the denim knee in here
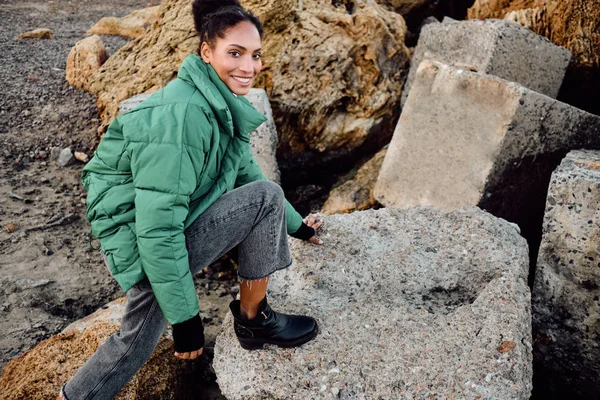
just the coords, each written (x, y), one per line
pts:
(270, 192)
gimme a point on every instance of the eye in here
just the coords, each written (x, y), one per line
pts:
(257, 56)
(235, 53)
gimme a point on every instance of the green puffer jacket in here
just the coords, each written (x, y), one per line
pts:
(158, 168)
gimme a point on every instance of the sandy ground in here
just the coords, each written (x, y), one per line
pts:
(49, 273)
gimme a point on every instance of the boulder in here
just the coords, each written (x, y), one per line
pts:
(333, 75)
(411, 304)
(501, 48)
(85, 58)
(528, 17)
(403, 7)
(132, 102)
(355, 191)
(263, 141)
(40, 33)
(572, 24)
(470, 139)
(133, 25)
(39, 373)
(566, 305)
(483, 9)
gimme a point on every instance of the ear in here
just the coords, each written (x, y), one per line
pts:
(205, 52)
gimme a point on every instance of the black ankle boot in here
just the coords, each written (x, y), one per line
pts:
(271, 327)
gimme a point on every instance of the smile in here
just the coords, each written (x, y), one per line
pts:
(241, 80)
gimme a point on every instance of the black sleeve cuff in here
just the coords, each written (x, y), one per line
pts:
(188, 335)
(305, 232)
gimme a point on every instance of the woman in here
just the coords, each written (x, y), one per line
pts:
(171, 188)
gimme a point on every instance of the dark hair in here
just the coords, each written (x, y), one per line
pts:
(214, 17)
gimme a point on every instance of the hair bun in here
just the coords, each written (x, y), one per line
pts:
(205, 7)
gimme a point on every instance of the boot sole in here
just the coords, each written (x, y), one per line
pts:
(256, 344)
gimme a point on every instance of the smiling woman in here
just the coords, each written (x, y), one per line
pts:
(172, 187)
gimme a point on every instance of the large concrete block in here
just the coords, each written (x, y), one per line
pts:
(411, 304)
(470, 139)
(263, 141)
(502, 48)
(566, 293)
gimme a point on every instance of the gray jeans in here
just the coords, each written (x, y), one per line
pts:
(252, 218)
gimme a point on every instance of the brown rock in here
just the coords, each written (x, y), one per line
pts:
(39, 373)
(41, 33)
(133, 25)
(483, 9)
(334, 76)
(403, 7)
(86, 57)
(569, 23)
(355, 192)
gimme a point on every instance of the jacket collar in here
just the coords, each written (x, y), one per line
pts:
(234, 113)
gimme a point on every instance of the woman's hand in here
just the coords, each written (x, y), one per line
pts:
(190, 355)
(314, 223)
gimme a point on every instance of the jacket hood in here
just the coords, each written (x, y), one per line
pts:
(235, 113)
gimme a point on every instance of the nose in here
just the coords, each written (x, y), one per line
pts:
(246, 66)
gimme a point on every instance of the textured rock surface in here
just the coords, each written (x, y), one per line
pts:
(403, 6)
(85, 58)
(566, 305)
(569, 23)
(39, 373)
(333, 76)
(133, 25)
(467, 139)
(355, 192)
(483, 9)
(132, 102)
(40, 33)
(500, 48)
(411, 304)
(263, 141)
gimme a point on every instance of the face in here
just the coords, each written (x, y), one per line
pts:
(236, 57)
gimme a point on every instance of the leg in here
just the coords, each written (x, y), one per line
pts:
(253, 219)
(119, 358)
(251, 294)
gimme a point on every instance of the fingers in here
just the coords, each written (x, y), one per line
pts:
(315, 240)
(190, 355)
(311, 220)
(317, 225)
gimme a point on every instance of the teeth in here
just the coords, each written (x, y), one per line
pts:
(242, 80)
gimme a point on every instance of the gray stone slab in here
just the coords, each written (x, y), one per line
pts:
(132, 102)
(496, 47)
(263, 141)
(566, 292)
(411, 304)
(471, 139)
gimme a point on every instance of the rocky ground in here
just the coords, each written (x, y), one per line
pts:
(49, 273)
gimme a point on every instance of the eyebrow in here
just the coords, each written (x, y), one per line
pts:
(243, 48)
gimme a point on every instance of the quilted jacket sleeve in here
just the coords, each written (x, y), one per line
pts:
(164, 175)
(249, 172)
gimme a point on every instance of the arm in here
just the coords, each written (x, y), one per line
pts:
(164, 178)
